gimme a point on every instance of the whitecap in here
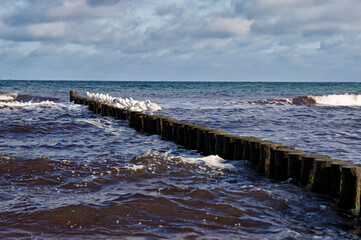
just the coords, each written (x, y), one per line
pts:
(211, 161)
(8, 96)
(338, 100)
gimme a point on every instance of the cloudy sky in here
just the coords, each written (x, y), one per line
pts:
(237, 40)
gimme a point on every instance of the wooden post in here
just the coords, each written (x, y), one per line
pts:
(350, 189)
(246, 148)
(210, 141)
(322, 175)
(201, 138)
(281, 162)
(336, 181)
(147, 124)
(228, 149)
(294, 166)
(193, 137)
(180, 133)
(160, 124)
(238, 147)
(255, 151)
(266, 153)
(72, 95)
(219, 146)
(307, 167)
(167, 128)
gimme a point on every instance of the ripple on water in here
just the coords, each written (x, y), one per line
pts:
(159, 195)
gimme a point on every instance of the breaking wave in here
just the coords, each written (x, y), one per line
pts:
(6, 97)
(30, 104)
(325, 100)
(339, 100)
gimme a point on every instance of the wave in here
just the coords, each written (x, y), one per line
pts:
(153, 158)
(339, 100)
(6, 97)
(325, 100)
(26, 104)
(211, 161)
(33, 105)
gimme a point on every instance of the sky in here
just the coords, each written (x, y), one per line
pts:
(183, 40)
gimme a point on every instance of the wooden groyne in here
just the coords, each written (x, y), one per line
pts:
(339, 180)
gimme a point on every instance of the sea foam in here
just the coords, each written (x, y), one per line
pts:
(325, 100)
(338, 100)
(8, 96)
(211, 160)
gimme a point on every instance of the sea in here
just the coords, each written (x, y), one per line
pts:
(66, 173)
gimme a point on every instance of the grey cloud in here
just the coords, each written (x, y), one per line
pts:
(97, 3)
(307, 17)
(169, 10)
(34, 12)
(40, 11)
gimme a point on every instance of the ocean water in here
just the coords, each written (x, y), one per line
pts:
(67, 173)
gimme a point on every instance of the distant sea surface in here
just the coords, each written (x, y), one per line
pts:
(66, 173)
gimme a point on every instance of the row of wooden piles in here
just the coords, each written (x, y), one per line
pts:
(335, 178)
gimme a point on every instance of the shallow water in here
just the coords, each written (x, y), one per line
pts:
(67, 173)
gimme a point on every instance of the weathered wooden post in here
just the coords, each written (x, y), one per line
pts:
(201, 138)
(153, 124)
(160, 124)
(281, 162)
(180, 133)
(322, 175)
(238, 147)
(99, 108)
(294, 166)
(266, 154)
(210, 141)
(132, 120)
(255, 151)
(91, 105)
(147, 124)
(112, 111)
(72, 95)
(176, 124)
(350, 189)
(167, 128)
(192, 141)
(105, 109)
(188, 134)
(336, 181)
(307, 167)
(219, 146)
(229, 148)
(136, 121)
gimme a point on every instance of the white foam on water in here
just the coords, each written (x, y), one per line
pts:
(211, 161)
(94, 122)
(28, 104)
(338, 100)
(8, 96)
(134, 167)
(9, 107)
(33, 105)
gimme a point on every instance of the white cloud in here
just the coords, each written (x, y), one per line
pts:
(49, 30)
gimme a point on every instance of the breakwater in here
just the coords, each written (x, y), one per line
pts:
(340, 180)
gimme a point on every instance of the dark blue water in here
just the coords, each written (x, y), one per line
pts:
(66, 173)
